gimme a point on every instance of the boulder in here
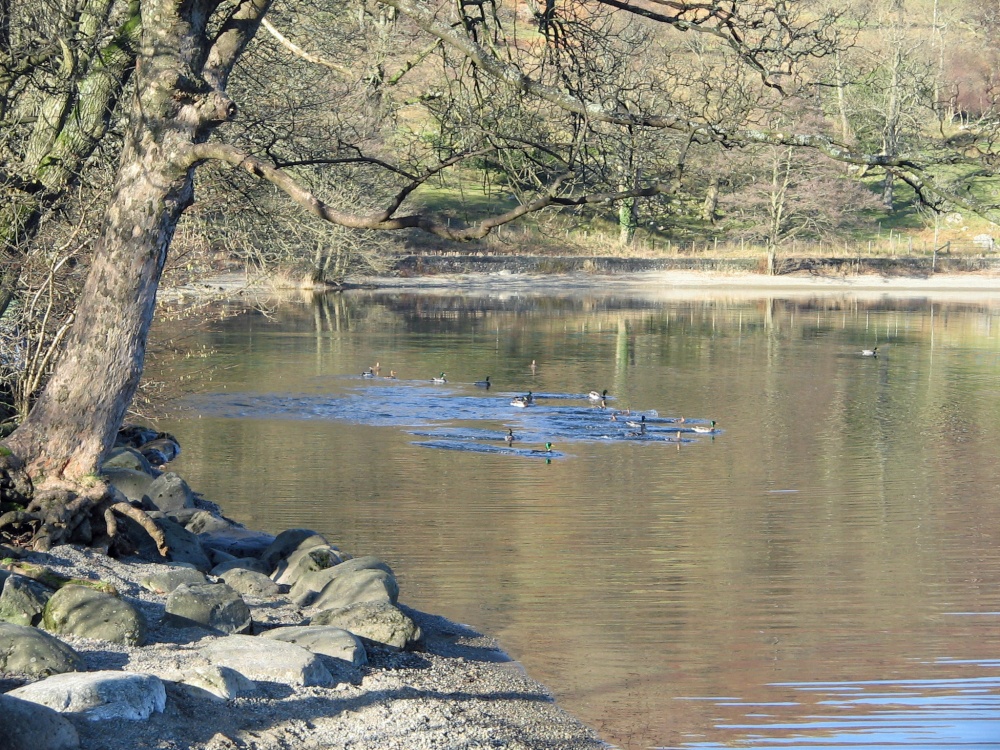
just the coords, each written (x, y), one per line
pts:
(202, 522)
(268, 660)
(358, 586)
(123, 457)
(243, 563)
(27, 650)
(161, 450)
(98, 696)
(377, 621)
(184, 546)
(327, 640)
(251, 583)
(134, 485)
(134, 435)
(287, 542)
(170, 493)
(303, 561)
(30, 726)
(22, 600)
(308, 586)
(220, 683)
(210, 605)
(163, 580)
(87, 613)
(238, 541)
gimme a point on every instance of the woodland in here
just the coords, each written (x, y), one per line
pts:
(139, 137)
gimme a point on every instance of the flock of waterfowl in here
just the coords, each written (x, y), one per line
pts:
(554, 415)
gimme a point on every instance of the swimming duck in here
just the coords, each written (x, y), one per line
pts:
(704, 428)
(523, 400)
(641, 423)
(391, 375)
(869, 352)
(483, 383)
(439, 379)
(509, 437)
(595, 396)
(548, 449)
(369, 373)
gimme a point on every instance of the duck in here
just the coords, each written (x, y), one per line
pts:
(548, 449)
(369, 373)
(869, 352)
(641, 423)
(509, 438)
(523, 400)
(595, 396)
(704, 428)
(483, 383)
(391, 375)
(439, 379)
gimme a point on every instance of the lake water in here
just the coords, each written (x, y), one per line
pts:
(823, 570)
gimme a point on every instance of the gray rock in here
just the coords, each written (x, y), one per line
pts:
(29, 726)
(134, 485)
(222, 683)
(377, 621)
(243, 563)
(22, 600)
(211, 605)
(239, 542)
(303, 561)
(123, 457)
(184, 546)
(163, 580)
(87, 613)
(27, 650)
(251, 583)
(308, 586)
(136, 435)
(202, 522)
(287, 542)
(170, 493)
(327, 640)
(268, 660)
(161, 450)
(99, 696)
(358, 586)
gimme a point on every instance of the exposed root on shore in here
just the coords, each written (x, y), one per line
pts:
(64, 513)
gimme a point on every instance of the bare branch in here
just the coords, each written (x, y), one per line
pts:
(384, 219)
(299, 52)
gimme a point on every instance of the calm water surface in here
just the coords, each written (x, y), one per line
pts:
(823, 571)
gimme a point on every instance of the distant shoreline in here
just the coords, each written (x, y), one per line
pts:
(659, 284)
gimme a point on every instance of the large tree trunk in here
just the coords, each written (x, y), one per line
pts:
(74, 422)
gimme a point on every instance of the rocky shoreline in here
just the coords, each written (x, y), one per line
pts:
(241, 639)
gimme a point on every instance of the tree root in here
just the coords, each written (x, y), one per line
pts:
(66, 514)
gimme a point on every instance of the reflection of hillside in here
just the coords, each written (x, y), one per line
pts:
(847, 505)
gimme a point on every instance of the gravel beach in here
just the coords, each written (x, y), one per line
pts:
(457, 691)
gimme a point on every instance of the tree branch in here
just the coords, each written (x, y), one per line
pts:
(299, 52)
(384, 220)
(514, 77)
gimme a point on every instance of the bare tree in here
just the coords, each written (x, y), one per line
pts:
(180, 100)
